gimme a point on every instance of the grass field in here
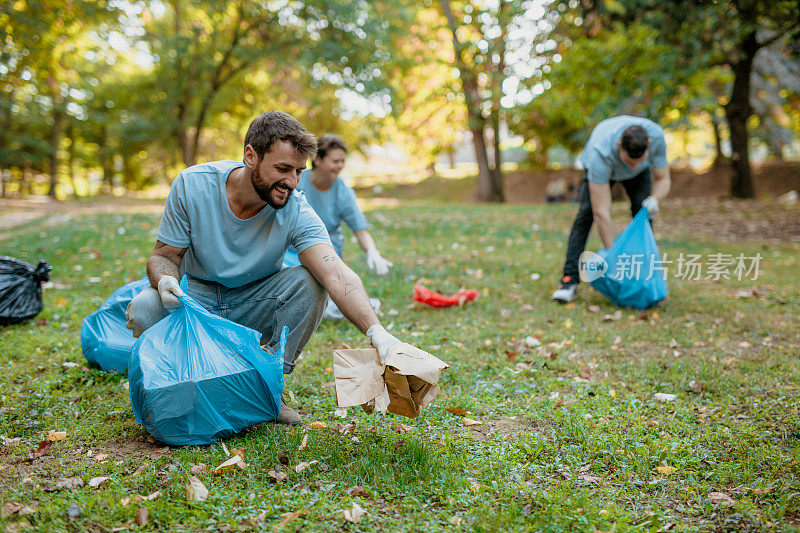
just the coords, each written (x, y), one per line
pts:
(572, 436)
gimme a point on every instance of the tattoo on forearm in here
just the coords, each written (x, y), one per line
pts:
(349, 287)
(330, 258)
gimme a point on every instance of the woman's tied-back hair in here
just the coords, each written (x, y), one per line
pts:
(328, 142)
(634, 141)
(277, 125)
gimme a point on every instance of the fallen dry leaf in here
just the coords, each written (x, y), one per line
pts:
(44, 446)
(54, 435)
(159, 453)
(340, 412)
(302, 466)
(199, 468)
(229, 464)
(238, 451)
(594, 308)
(696, 386)
(283, 458)
(350, 427)
(304, 442)
(748, 293)
(589, 478)
(278, 474)
(721, 498)
(402, 428)
(69, 364)
(665, 469)
(225, 449)
(97, 481)
(288, 517)
(455, 520)
(357, 490)
(457, 411)
(195, 490)
(69, 483)
(101, 457)
(354, 515)
(612, 318)
(317, 425)
(665, 397)
(471, 422)
(142, 516)
(139, 470)
(10, 442)
(16, 508)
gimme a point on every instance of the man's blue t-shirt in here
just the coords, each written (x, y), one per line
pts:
(222, 247)
(333, 206)
(600, 156)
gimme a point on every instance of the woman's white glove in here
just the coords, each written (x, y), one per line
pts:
(377, 263)
(651, 204)
(382, 340)
(169, 289)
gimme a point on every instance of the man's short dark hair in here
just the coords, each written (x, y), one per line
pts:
(634, 141)
(329, 142)
(277, 125)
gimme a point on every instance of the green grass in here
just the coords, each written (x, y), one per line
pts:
(571, 437)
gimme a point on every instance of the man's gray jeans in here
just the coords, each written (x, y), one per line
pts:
(291, 297)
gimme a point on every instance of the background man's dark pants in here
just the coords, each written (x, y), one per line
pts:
(638, 188)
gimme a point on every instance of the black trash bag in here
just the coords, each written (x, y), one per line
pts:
(21, 289)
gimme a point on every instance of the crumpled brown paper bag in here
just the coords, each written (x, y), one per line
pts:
(408, 381)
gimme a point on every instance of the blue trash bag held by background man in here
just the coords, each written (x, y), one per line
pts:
(634, 275)
(196, 377)
(105, 340)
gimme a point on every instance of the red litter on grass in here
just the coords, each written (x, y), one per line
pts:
(436, 299)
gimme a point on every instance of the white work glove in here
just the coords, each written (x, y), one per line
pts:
(377, 263)
(382, 340)
(169, 289)
(651, 204)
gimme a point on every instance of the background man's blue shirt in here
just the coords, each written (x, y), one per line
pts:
(600, 156)
(222, 247)
(333, 206)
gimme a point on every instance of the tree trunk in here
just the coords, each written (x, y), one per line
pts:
(484, 173)
(451, 158)
(476, 121)
(105, 162)
(71, 157)
(719, 158)
(737, 113)
(25, 186)
(55, 140)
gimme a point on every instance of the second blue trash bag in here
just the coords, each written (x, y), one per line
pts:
(196, 377)
(291, 259)
(633, 277)
(105, 340)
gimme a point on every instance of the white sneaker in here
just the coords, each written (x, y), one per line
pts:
(566, 292)
(332, 311)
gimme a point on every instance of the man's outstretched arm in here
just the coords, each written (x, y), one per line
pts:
(343, 285)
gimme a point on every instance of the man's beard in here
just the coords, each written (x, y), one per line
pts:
(265, 193)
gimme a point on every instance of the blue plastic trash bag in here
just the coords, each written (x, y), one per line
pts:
(196, 377)
(634, 274)
(291, 259)
(105, 340)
